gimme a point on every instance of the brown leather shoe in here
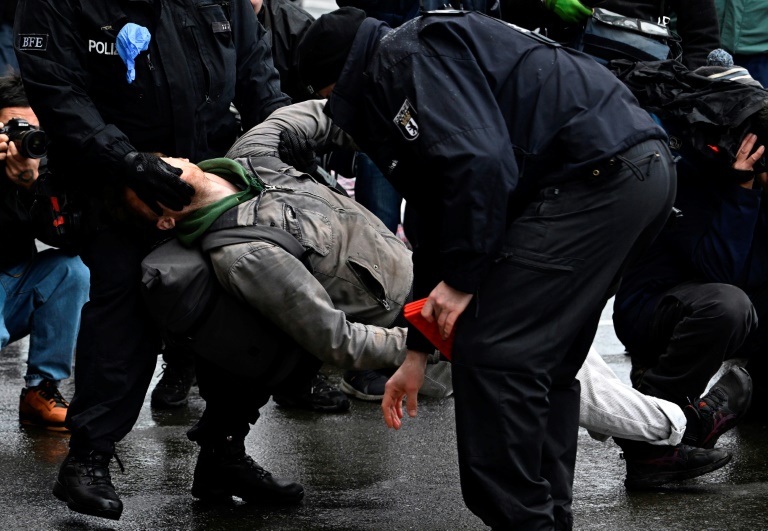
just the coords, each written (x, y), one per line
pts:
(43, 406)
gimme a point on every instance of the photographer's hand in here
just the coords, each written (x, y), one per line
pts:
(155, 181)
(746, 159)
(20, 170)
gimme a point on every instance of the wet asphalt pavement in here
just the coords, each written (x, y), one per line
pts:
(357, 474)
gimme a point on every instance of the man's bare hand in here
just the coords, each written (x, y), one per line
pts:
(406, 381)
(20, 170)
(745, 161)
(444, 305)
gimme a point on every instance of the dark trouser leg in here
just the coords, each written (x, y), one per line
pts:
(696, 326)
(528, 330)
(117, 345)
(559, 450)
(231, 405)
(223, 468)
(179, 357)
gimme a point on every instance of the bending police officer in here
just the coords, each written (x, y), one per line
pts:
(109, 88)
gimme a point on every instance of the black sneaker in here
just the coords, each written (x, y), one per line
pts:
(719, 410)
(366, 385)
(320, 396)
(85, 485)
(663, 464)
(224, 470)
(173, 388)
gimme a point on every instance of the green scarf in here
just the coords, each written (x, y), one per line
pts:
(195, 224)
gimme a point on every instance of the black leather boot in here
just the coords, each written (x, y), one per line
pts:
(224, 470)
(85, 484)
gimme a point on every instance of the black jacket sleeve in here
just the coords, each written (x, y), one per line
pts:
(56, 82)
(257, 93)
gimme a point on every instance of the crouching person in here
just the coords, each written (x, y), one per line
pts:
(41, 293)
(339, 305)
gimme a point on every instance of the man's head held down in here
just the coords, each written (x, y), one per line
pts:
(209, 188)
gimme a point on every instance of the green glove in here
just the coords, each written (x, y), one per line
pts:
(568, 10)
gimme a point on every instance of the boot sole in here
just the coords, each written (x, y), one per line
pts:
(164, 404)
(43, 425)
(60, 491)
(220, 496)
(656, 480)
(291, 404)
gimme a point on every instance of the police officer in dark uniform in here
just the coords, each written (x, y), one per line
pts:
(115, 83)
(534, 177)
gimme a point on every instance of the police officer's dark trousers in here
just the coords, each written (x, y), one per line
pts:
(117, 346)
(529, 327)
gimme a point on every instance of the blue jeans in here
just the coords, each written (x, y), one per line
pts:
(7, 55)
(42, 299)
(373, 191)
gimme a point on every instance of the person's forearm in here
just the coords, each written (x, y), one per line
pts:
(305, 118)
(282, 289)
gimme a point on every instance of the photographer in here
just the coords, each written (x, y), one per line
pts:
(697, 297)
(41, 293)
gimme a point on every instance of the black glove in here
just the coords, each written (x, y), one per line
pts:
(298, 151)
(154, 180)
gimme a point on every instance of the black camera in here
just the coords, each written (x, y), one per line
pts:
(31, 142)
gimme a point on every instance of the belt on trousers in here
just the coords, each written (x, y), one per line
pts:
(610, 165)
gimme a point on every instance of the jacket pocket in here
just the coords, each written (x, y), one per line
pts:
(540, 262)
(370, 278)
(311, 228)
(211, 32)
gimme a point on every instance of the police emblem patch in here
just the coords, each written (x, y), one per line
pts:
(406, 121)
(31, 42)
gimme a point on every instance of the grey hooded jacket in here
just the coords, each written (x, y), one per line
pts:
(362, 273)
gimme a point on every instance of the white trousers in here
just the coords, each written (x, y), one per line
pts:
(609, 407)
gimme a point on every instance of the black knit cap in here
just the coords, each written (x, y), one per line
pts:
(324, 48)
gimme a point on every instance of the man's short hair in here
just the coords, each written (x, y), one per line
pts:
(12, 92)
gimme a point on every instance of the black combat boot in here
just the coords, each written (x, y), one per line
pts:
(719, 410)
(174, 386)
(224, 470)
(85, 484)
(651, 465)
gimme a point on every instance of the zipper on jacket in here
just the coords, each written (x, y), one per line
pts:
(206, 70)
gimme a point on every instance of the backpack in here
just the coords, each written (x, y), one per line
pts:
(194, 312)
(608, 36)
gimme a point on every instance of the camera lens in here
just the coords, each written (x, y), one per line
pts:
(33, 144)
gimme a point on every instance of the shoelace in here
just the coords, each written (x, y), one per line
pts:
(715, 399)
(254, 465)
(93, 463)
(52, 393)
(170, 377)
(320, 384)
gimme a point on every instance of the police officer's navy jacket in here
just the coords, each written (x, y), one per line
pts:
(203, 55)
(467, 108)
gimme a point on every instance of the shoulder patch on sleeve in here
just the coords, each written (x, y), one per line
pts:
(32, 42)
(406, 121)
